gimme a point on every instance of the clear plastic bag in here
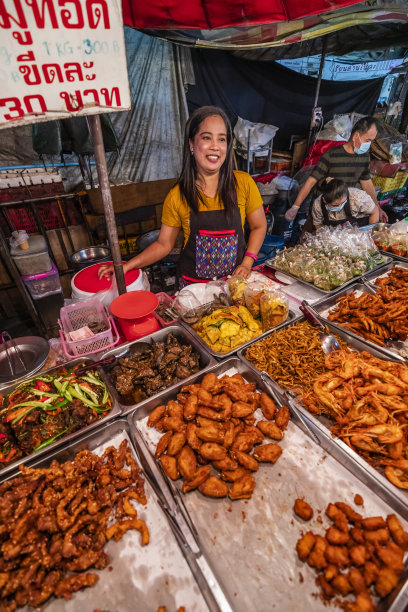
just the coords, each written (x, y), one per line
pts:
(252, 294)
(274, 307)
(236, 289)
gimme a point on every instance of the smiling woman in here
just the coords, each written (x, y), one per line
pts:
(210, 203)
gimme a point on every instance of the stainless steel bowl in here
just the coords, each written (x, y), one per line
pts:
(91, 255)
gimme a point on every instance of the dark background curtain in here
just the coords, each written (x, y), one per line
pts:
(266, 92)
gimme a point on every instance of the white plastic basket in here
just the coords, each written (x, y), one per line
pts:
(79, 315)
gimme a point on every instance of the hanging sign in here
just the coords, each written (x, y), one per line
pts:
(61, 58)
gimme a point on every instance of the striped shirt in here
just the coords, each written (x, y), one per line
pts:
(348, 167)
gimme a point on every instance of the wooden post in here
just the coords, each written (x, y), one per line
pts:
(101, 167)
(319, 81)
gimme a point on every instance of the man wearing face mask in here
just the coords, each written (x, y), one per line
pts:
(349, 162)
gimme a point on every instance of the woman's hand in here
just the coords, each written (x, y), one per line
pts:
(291, 213)
(242, 270)
(105, 270)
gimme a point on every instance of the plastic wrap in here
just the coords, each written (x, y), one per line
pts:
(274, 309)
(252, 294)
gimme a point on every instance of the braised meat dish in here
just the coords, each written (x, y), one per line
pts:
(141, 374)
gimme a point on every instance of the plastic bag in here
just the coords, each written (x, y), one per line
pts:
(395, 153)
(274, 308)
(253, 293)
(236, 288)
(19, 238)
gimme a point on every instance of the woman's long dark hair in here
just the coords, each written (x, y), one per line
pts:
(332, 189)
(226, 180)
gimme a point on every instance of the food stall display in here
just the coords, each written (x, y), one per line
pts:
(227, 328)
(90, 507)
(330, 258)
(43, 410)
(392, 238)
(217, 422)
(251, 542)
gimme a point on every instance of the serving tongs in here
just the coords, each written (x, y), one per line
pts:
(282, 398)
(328, 341)
(7, 339)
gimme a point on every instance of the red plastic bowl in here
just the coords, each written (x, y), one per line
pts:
(134, 305)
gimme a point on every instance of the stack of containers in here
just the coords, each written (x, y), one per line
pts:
(38, 271)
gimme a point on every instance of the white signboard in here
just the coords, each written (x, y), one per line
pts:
(61, 58)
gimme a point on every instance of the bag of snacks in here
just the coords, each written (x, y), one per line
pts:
(253, 293)
(274, 306)
(236, 288)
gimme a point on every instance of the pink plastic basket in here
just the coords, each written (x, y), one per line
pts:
(83, 313)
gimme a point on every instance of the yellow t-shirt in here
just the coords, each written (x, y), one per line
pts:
(176, 212)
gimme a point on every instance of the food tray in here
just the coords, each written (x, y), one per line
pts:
(64, 439)
(332, 291)
(325, 304)
(250, 544)
(394, 496)
(397, 257)
(178, 332)
(219, 355)
(374, 274)
(164, 572)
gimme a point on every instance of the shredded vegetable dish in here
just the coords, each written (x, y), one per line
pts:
(292, 356)
(43, 409)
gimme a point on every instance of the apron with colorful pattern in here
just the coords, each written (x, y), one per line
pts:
(214, 247)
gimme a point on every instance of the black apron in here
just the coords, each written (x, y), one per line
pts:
(214, 247)
(349, 217)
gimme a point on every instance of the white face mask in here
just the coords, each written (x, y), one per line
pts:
(363, 148)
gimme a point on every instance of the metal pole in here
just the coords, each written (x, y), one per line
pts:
(319, 81)
(101, 167)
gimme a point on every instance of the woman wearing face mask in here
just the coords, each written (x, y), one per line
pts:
(210, 202)
(349, 162)
(338, 204)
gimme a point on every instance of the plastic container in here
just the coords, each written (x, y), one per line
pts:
(167, 301)
(82, 314)
(134, 311)
(41, 285)
(35, 259)
(86, 283)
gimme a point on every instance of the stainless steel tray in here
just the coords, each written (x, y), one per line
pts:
(374, 274)
(326, 303)
(165, 572)
(269, 263)
(394, 256)
(250, 544)
(181, 334)
(397, 498)
(219, 355)
(64, 439)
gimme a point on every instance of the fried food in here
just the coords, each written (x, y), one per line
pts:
(358, 500)
(398, 534)
(371, 566)
(222, 435)
(55, 521)
(292, 356)
(227, 328)
(303, 509)
(282, 417)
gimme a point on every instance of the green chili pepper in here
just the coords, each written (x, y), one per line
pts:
(45, 393)
(91, 378)
(59, 405)
(51, 440)
(21, 416)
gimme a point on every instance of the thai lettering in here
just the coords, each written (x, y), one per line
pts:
(66, 14)
(34, 105)
(75, 70)
(40, 13)
(23, 38)
(50, 71)
(18, 18)
(13, 105)
(89, 77)
(73, 102)
(31, 74)
(95, 12)
(26, 57)
(109, 96)
(40, 100)
(94, 93)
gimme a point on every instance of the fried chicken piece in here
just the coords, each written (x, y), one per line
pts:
(244, 442)
(241, 409)
(356, 580)
(213, 451)
(155, 416)
(341, 584)
(211, 433)
(173, 423)
(305, 544)
(257, 435)
(357, 534)
(326, 587)
(245, 460)
(392, 556)
(303, 509)
(213, 487)
(192, 439)
(358, 500)
(331, 572)
(358, 554)
(175, 410)
(338, 517)
(229, 434)
(226, 464)
(234, 475)
(117, 530)
(353, 517)
(268, 452)
(398, 534)
(74, 583)
(370, 573)
(282, 417)
(201, 474)
(268, 406)
(190, 408)
(211, 383)
(317, 556)
(169, 465)
(386, 581)
(379, 536)
(335, 536)
(187, 462)
(270, 429)
(363, 603)
(176, 443)
(337, 555)
(242, 488)
(373, 522)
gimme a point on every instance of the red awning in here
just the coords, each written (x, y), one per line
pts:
(210, 14)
